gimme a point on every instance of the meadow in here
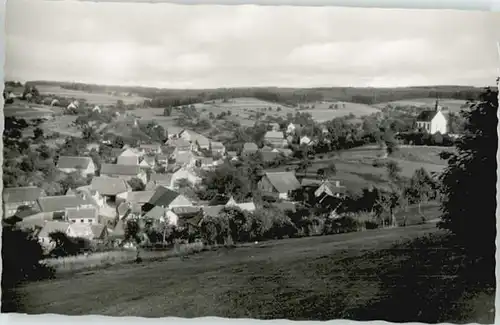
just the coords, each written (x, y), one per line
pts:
(453, 105)
(95, 98)
(356, 276)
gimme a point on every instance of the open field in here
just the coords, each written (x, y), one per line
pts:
(309, 278)
(23, 109)
(63, 125)
(92, 98)
(453, 105)
(322, 113)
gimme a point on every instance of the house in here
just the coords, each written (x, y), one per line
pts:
(82, 215)
(166, 198)
(127, 160)
(232, 154)
(184, 158)
(246, 206)
(188, 217)
(92, 195)
(162, 159)
(184, 173)
(96, 109)
(432, 121)
(159, 180)
(279, 183)
(217, 148)
(249, 148)
(137, 197)
(80, 230)
(274, 127)
(275, 139)
(109, 187)
(129, 152)
(205, 163)
(125, 172)
(291, 128)
(285, 152)
(15, 197)
(332, 189)
(149, 162)
(68, 165)
(306, 140)
(150, 149)
(198, 141)
(180, 145)
(212, 210)
(48, 228)
(57, 205)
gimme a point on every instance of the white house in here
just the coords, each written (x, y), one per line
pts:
(433, 121)
(305, 140)
(291, 128)
(184, 173)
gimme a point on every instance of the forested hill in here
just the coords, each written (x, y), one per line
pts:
(285, 96)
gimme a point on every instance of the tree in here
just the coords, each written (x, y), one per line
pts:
(393, 170)
(469, 181)
(420, 188)
(38, 134)
(136, 184)
(167, 111)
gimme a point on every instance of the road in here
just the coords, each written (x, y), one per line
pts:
(239, 282)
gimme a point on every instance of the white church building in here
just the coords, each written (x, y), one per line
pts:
(433, 121)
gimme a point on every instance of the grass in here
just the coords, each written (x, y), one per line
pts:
(91, 98)
(316, 278)
(453, 105)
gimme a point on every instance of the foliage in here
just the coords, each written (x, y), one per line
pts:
(469, 181)
(136, 184)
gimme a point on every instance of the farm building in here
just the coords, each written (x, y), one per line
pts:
(82, 215)
(109, 187)
(125, 172)
(280, 183)
(275, 139)
(87, 193)
(432, 121)
(15, 197)
(136, 197)
(85, 165)
(56, 206)
(167, 199)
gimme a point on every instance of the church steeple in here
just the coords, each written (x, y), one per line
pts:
(436, 106)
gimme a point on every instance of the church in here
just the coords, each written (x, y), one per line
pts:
(433, 121)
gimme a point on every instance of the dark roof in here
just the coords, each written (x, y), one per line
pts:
(310, 182)
(21, 194)
(116, 169)
(163, 196)
(180, 211)
(73, 162)
(426, 116)
(109, 185)
(193, 220)
(155, 213)
(140, 196)
(283, 181)
(60, 203)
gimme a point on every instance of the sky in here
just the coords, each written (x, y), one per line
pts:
(210, 46)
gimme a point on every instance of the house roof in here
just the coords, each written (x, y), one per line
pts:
(119, 230)
(53, 226)
(250, 146)
(334, 188)
(217, 145)
(81, 230)
(274, 135)
(178, 143)
(194, 220)
(213, 210)
(60, 203)
(155, 213)
(140, 196)
(74, 162)
(181, 211)
(163, 196)
(426, 116)
(117, 169)
(98, 230)
(109, 185)
(127, 160)
(21, 194)
(232, 153)
(150, 146)
(206, 160)
(82, 213)
(150, 160)
(310, 182)
(283, 181)
(161, 178)
(183, 157)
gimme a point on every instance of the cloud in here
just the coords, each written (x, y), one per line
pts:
(213, 46)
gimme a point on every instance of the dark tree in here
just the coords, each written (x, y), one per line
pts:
(469, 181)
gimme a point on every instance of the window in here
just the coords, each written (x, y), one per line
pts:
(73, 221)
(90, 220)
(81, 220)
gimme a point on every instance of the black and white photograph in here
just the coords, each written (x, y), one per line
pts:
(250, 161)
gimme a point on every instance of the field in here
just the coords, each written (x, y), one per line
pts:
(453, 105)
(309, 278)
(63, 125)
(28, 110)
(322, 113)
(91, 98)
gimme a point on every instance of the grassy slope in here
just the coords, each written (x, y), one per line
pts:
(310, 278)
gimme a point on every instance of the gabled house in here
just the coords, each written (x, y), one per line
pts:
(432, 121)
(92, 195)
(198, 141)
(82, 215)
(275, 139)
(245, 206)
(130, 152)
(54, 207)
(149, 162)
(128, 160)
(306, 140)
(205, 163)
(279, 183)
(167, 199)
(125, 172)
(217, 148)
(249, 148)
(180, 145)
(159, 180)
(15, 197)
(330, 188)
(184, 173)
(84, 165)
(110, 187)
